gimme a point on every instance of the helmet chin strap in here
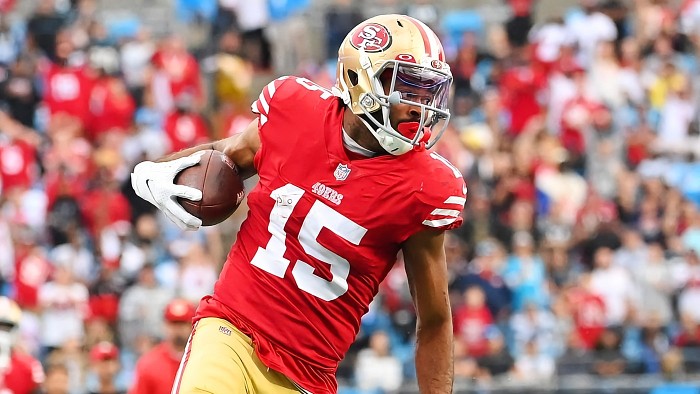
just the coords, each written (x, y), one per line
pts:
(382, 131)
(388, 142)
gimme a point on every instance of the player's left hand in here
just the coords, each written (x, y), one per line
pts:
(154, 182)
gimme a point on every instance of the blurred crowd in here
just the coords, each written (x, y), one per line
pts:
(577, 134)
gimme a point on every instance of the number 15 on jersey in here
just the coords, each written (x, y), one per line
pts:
(271, 259)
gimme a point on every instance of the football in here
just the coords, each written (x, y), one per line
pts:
(222, 187)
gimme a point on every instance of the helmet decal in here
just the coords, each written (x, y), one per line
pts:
(437, 64)
(406, 57)
(372, 37)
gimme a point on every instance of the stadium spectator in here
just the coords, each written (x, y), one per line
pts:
(156, 370)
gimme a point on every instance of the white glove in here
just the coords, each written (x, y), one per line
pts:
(154, 182)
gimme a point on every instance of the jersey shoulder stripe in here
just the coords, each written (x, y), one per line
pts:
(261, 106)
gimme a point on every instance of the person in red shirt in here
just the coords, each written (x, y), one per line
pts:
(20, 373)
(32, 268)
(472, 322)
(176, 71)
(521, 87)
(588, 312)
(18, 159)
(104, 205)
(66, 86)
(111, 106)
(183, 126)
(156, 370)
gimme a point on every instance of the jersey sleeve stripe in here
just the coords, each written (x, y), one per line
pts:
(446, 212)
(262, 104)
(439, 222)
(255, 107)
(272, 87)
(456, 200)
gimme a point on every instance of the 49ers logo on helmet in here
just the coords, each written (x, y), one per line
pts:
(372, 37)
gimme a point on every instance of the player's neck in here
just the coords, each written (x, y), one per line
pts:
(358, 133)
(352, 146)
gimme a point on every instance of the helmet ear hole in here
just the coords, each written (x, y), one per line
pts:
(353, 77)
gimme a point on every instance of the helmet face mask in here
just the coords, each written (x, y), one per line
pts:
(418, 86)
(391, 60)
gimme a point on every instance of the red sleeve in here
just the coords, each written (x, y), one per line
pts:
(442, 196)
(263, 107)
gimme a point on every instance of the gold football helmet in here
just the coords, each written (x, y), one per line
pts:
(409, 57)
(10, 313)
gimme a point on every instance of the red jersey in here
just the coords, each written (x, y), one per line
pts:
(155, 371)
(322, 232)
(24, 376)
(589, 318)
(470, 328)
(67, 89)
(111, 107)
(182, 70)
(18, 167)
(520, 90)
(32, 270)
(102, 207)
(184, 130)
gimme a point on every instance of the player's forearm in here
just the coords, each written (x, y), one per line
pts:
(186, 152)
(434, 357)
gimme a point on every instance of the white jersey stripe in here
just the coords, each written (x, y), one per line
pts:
(446, 212)
(263, 102)
(271, 88)
(263, 119)
(434, 44)
(456, 200)
(449, 165)
(439, 222)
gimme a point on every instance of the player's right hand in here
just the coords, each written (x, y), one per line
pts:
(154, 182)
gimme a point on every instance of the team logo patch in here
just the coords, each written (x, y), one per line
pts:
(225, 330)
(372, 37)
(341, 172)
(436, 64)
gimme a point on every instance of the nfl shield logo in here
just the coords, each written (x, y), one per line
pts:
(341, 172)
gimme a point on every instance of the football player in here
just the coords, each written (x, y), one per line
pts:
(346, 182)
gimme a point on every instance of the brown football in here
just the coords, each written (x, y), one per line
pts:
(221, 185)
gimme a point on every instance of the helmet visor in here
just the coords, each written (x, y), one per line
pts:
(422, 85)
